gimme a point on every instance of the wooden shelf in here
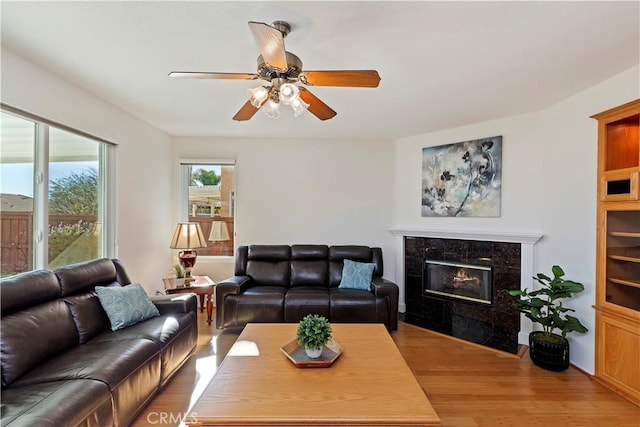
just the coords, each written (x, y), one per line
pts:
(624, 234)
(624, 258)
(624, 282)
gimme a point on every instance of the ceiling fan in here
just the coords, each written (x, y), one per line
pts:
(283, 69)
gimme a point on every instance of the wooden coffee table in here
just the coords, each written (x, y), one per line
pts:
(369, 385)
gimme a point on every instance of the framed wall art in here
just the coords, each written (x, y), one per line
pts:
(462, 179)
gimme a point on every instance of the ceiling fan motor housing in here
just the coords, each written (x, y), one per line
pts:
(294, 68)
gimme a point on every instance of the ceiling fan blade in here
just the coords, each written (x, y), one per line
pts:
(270, 41)
(208, 75)
(246, 112)
(343, 78)
(316, 107)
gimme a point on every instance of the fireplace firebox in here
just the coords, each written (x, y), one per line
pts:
(458, 280)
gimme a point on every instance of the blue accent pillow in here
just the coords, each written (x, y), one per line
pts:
(356, 275)
(126, 305)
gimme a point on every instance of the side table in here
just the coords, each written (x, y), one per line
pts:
(203, 285)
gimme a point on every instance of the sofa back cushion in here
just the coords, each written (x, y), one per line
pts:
(78, 282)
(268, 265)
(337, 255)
(32, 335)
(84, 276)
(309, 265)
(88, 315)
(27, 290)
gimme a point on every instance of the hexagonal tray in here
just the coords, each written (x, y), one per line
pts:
(296, 353)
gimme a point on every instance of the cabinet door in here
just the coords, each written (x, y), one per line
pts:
(620, 242)
(618, 343)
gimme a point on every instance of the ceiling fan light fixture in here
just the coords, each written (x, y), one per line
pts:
(258, 95)
(289, 93)
(299, 106)
(271, 109)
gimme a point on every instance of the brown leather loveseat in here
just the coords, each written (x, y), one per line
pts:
(61, 362)
(281, 283)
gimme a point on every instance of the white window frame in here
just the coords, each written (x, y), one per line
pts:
(106, 214)
(185, 180)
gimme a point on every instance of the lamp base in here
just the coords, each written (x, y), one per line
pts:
(188, 280)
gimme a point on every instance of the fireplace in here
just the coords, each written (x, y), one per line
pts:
(468, 282)
(460, 288)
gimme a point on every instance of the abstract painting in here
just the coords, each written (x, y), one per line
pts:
(462, 179)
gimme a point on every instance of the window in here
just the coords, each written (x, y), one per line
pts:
(53, 185)
(208, 198)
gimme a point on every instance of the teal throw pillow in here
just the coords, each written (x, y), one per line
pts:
(126, 305)
(356, 275)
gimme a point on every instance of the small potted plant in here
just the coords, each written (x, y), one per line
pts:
(546, 348)
(314, 331)
(179, 275)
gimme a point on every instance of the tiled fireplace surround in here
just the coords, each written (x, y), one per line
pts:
(496, 325)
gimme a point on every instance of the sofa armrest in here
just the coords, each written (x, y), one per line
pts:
(234, 285)
(383, 287)
(176, 304)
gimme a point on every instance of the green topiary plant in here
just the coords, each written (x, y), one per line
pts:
(313, 331)
(543, 306)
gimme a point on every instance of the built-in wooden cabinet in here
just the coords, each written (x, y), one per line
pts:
(618, 251)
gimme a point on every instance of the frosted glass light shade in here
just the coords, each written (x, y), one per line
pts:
(289, 93)
(258, 95)
(271, 109)
(299, 106)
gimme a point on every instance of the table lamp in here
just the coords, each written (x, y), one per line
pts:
(188, 236)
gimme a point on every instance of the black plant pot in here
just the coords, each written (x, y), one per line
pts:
(550, 355)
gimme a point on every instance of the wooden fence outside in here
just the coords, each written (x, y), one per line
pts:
(16, 240)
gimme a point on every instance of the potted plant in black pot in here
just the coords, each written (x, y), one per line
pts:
(546, 348)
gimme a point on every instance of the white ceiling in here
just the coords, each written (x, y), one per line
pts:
(442, 64)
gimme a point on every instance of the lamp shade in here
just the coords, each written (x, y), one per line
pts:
(188, 235)
(219, 231)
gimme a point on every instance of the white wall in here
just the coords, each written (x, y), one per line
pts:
(297, 191)
(549, 172)
(143, 154)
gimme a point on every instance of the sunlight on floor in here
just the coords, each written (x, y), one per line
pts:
(205, 369)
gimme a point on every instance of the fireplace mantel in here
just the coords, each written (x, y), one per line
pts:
(527, 240)
(491, 236)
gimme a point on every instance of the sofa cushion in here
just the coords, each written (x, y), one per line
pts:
(126, 305)
(28, 290)
(107, 361)
(175, 335)
(269, 273)
(356, 275)
(88, 315)
(34, 335)
(337, 255)
(349, 304)
(309, 273)
(83, 276)
(303, 300)
(58, 403)
(261, 302)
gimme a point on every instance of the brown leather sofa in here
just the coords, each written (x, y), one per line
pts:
(280, 283)
(62, 365)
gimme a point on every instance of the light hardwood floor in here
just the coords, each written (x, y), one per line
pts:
(467, 385)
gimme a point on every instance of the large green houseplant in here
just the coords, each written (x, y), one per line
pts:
(546, 348)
